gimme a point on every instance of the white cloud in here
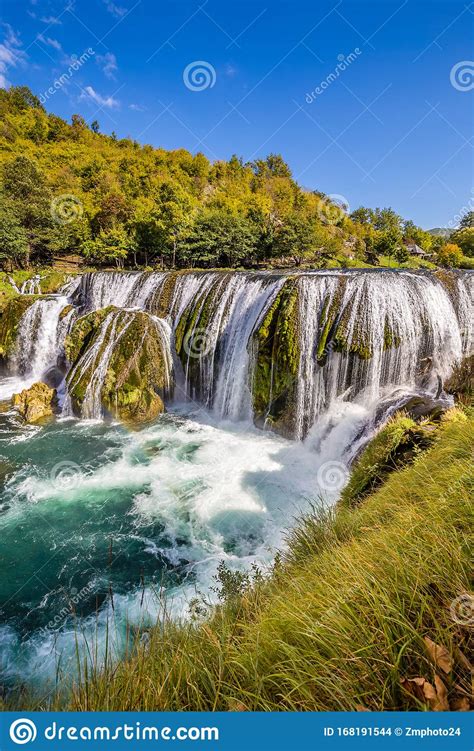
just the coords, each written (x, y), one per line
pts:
(50, 42)
(116, 10)
(51, 20)
(11, 56)
(230, 70)
(102, 101)
(137, 107)
(108, 63)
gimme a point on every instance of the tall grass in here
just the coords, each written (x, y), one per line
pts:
(341, 621)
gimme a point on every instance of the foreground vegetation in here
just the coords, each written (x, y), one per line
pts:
(367, 610)
(68, 189)
(346, 621)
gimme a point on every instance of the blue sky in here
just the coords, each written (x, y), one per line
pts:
(392, 125)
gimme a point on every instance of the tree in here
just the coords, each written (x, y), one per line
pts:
(449, 255)
(413, 233)
(114, 211)
(112, 245)
(387, 243)
(401, 253)
(174, 213)
(95, 127)
(273, 166)
(363, 215)
(219, 238)
(13, 237)
(22, 98)
(25, 185)
(300, 238)
(465, 239)
(467, 220)
(387, 220)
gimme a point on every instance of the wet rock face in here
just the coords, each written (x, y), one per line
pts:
(37, 403)
(10, 318)
(120, 366)
(277, 355)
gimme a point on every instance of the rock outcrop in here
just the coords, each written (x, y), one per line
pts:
(37, 403)
(121, 366)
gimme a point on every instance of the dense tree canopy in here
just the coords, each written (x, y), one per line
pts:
(66, 187)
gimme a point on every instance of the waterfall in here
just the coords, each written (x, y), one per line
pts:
(363, 334)
(94, 363)
(248, 300)
(417, 311)
(122, 289)
(40, 338)
(29, 287)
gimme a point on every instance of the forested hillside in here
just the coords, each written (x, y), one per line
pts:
(66, 188)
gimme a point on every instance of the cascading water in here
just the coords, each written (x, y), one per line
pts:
(427, 336)
(412, 330)
(93, 365)
(156, 510)
(39, 344)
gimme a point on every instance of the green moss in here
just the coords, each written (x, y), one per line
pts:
(395, 445)
(10, 317)
(330, 315)
(52, 281)
(277, 356)
(351, 340)
(161, 302)
(83, 332)
(390, 339)
(135, 383)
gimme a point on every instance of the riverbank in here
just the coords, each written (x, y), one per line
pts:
(368, 609)
(347, 621)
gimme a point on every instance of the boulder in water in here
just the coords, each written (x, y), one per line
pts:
(36, 403)
(123, 367)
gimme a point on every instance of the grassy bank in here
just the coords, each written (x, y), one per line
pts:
(364, 603)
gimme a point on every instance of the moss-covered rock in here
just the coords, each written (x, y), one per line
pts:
(396, 444)
(191, 336)
(277, 356)
(10, 318)
(342, 331)
(330, 316)
(135, 374)
(36, 403)
(83, 331)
